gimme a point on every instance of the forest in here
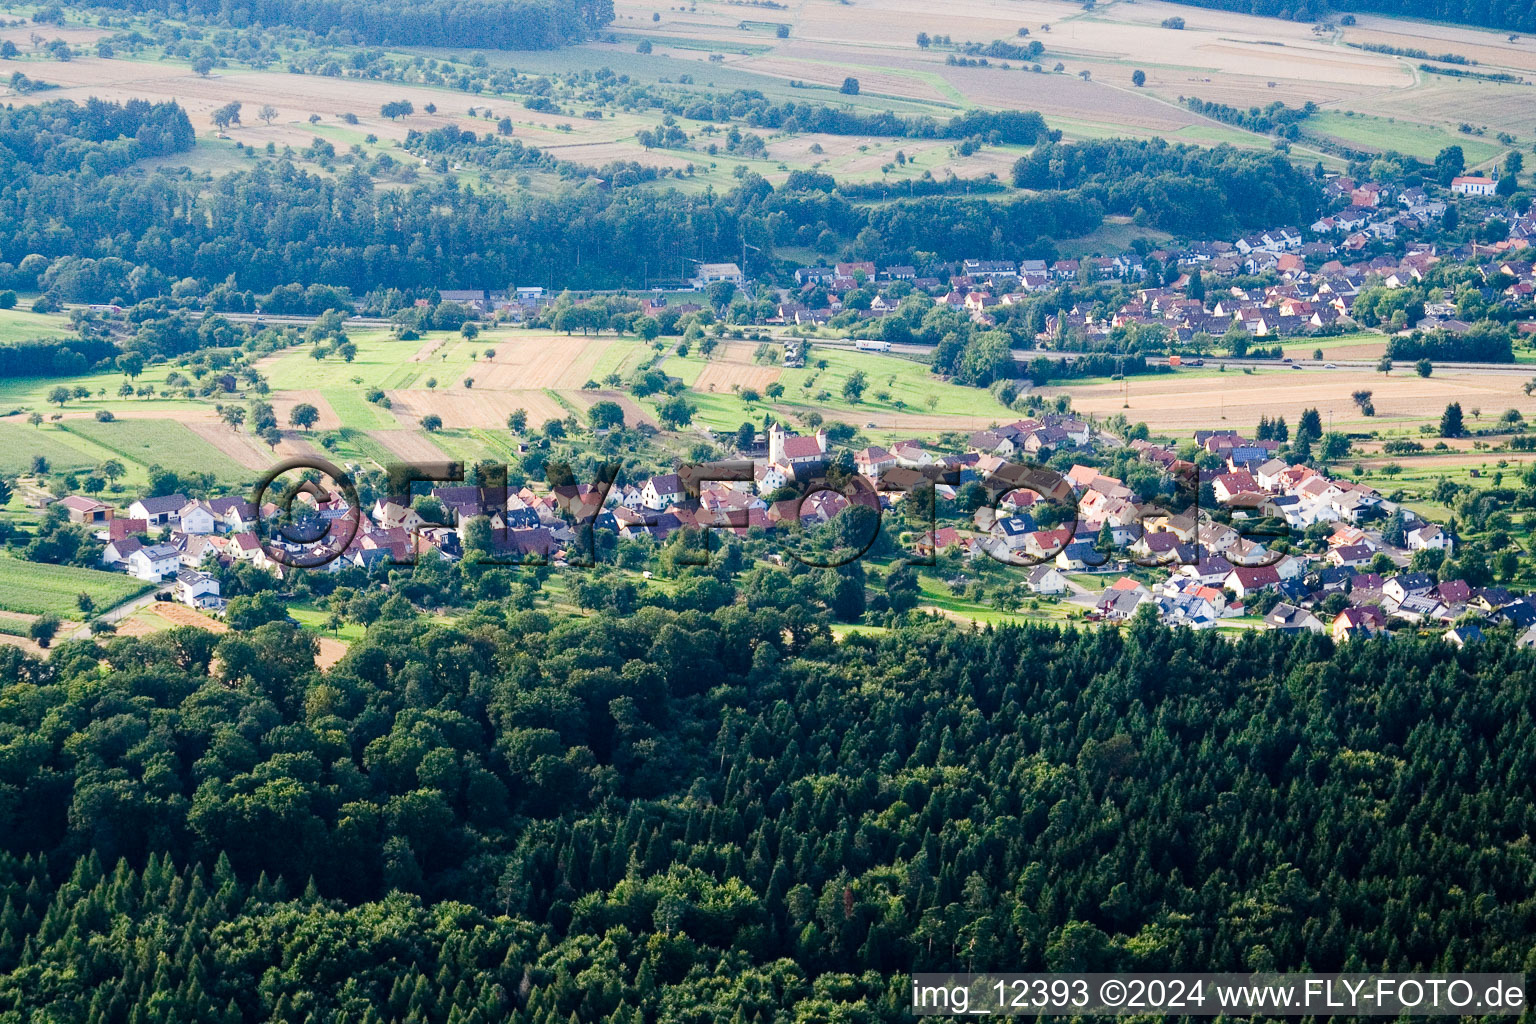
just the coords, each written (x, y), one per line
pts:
(1513, 15)
(1179, 188)
(128, 237)
(716, 811)
(496, 24)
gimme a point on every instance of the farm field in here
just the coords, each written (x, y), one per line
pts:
(1413, 478)
(1181, 402)
(544, 375)
(902, 397)
(1416, 140)
(1360, 345)
(33, 588)
(167, 443)
(1222, 56)
(20, 443)
(710, 47)
(22, 325)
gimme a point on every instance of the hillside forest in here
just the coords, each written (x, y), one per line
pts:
(715, 811)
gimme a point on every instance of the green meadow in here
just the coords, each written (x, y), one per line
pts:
(34, 588)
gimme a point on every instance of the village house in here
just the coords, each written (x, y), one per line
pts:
(1430, 537)
(158, 511)
(1245, 581)
(1288, 618)
(195, 517)
(872, 461)
(197, 589)
(115, 554)
(154, 563)
(1355, 622)
(662, 491)
(1047, 579)
(711, 273)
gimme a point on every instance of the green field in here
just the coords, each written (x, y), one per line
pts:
(24, 325)
(37, 589)
(31, 393)
(19, 443)
(165, 443)
(909, 388)
(1383, 133)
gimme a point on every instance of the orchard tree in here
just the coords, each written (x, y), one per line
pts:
(304, 415)
(43, 629)
(606, 415)
(675, 413)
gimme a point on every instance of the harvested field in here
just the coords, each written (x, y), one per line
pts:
(296, 97)
(25, 643)
(597, 153)
(409, 445)
(283, 403)
(478, 407)
(181, 615)
(428, 350)
(633, 413)
(551, 361)
(734, 369)
(243, 448)
(331, 651)
(1178, 403)
(1487, 48)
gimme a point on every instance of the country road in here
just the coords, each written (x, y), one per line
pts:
(115, 614)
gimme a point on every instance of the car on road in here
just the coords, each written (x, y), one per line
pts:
(1331, 366)
(1286, 359)
(1297, 366)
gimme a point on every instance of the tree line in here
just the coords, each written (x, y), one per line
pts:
(494, 24)
(1513, 15)
(1021, 127)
